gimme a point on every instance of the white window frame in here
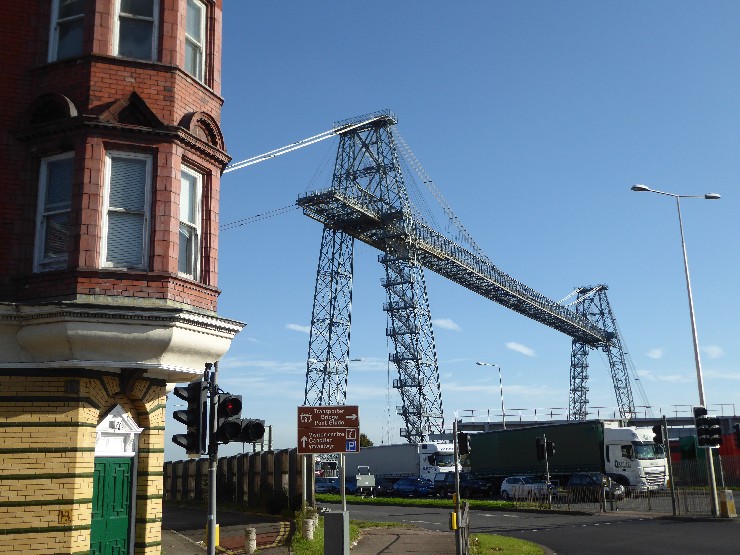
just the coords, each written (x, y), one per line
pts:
(155, 30)
(146, 231)
(201, 46)
(196, 226)
(39, 264)
(54, 29)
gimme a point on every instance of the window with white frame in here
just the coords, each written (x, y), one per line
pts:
(126, 225)
(136, 29)
(67, 22)
(53, 236)
(188, 261)
(195, 35)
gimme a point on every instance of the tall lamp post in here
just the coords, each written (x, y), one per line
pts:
(501, 389)
(697, 359)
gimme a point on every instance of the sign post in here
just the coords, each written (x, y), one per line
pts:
(331, 429)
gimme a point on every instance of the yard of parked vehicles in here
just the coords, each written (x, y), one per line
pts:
(588, 492)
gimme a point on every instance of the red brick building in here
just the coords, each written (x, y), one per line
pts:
(110, 162)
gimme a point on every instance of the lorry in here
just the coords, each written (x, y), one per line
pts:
(628, 455)
(392, 462)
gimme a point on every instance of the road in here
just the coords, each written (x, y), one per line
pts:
(578, 534)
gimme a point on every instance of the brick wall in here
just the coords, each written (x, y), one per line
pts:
(95, 82)
(47, 442)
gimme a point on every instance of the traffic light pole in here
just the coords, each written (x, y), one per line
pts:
(212, 459)
(458, 532)
(547, 472)
(667, 449)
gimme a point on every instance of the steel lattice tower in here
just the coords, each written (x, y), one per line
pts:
(367, 169)
(328, 346)
(594, 305)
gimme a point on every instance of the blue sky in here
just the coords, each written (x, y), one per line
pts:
(534, 119)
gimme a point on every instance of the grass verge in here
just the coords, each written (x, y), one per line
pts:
(483, 504)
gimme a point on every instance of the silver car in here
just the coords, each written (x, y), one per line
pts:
(523, 487)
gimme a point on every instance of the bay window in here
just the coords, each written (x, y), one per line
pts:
(195, 33)
(67, 21)
(188, 262)
(126, 216)
(136, 29)
(53, 237)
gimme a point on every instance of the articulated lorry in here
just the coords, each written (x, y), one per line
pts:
(422, 460)
(628, 455)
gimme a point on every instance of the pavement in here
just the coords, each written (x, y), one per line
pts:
(183, 534)
(374, 541)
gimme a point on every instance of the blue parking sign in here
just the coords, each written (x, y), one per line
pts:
(351, 445)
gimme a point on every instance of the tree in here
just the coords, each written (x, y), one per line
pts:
(365, 441)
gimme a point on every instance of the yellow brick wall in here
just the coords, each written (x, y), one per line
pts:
(47, 450)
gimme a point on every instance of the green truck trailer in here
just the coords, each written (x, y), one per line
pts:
(627, 454)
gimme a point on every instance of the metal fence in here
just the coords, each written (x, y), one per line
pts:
(692, 495)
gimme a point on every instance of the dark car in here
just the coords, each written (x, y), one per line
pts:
(383, 488)
(415, 487)
(470, 484)
(591, 486)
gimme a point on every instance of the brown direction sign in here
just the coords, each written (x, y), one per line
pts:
(329, 429)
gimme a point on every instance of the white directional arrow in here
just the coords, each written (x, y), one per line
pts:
(352, 416)
(304, 439)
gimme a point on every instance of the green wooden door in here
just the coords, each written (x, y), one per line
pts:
(111, 506)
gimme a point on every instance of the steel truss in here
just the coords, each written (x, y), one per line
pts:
(368, 201)
(593, 304)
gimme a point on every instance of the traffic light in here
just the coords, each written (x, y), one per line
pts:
(228, 418)
(463, 445)
(708, 430)
(540, 443)
(713, 433)
(194, 417)
(550, 448)
(658, 434)
(252, 430)
(737, 435)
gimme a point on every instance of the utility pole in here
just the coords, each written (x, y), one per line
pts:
(212, 460)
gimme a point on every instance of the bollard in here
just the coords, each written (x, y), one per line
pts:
(250, 540)
(308, 528)
(336, 533)
(727, 504)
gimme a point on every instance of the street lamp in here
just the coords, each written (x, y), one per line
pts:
(501, 388)
(697, 359)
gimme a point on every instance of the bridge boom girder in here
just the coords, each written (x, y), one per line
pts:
(369, 220)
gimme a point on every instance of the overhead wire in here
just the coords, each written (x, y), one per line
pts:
(258, 217)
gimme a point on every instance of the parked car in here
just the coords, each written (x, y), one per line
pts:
(383, 487)
(588, 486)
(326, 485)
(470, 484)
(415, 487)
(518, 487)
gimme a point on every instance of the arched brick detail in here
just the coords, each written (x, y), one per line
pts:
(50, 107)
(205, 127)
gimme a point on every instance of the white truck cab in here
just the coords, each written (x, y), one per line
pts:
(633, 459)
(436, 457)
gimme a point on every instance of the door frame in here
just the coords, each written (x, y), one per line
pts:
(117, 436)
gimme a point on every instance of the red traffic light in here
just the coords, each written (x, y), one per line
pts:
(229, 420)
(229, 405)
